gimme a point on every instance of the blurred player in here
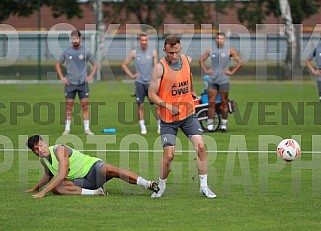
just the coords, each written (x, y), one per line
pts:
(316, 54)
(76, 80)
(69, 172)
(219, 77)
(171, 88)
(145, 58)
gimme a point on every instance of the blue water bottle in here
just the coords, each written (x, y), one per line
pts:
(109, 130)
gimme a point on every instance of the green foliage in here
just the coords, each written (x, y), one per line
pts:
(25, 8)
(152, 12)
(302, 9)
(254, 12)
(195, 12)
(142, 9)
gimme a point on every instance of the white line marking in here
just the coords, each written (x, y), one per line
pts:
(181, 151)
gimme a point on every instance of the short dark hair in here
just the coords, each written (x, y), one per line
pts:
(75, 33)
(142, 34)
(220, 33)
(33, 140)
(171, 40)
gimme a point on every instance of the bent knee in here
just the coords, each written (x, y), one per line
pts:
(57, 191)
(169, 153)
(201, 148)
(169, 157)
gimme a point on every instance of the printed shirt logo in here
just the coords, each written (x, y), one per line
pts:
(81, 56)
(180, 88)
(148, 57)
(223, 54)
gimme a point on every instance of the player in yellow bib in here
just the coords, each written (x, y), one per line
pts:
(70, 172)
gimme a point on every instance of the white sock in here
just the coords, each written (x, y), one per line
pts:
(67, 125)
(142, 182)
(203, 180)
(224, 123)
(210, 121)
(87, 191)
(142, 123)
(162, 183)
(86, 125)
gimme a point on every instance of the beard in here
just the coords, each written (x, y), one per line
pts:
(76, 44)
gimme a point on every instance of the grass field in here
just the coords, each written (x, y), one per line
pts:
(256, 189)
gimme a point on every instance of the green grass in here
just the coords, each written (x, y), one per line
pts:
(256, 190)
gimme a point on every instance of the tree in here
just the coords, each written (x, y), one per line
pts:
(152, 12)
(25, 8)
(254, 12)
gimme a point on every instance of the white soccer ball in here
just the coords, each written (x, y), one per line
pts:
(289, 149)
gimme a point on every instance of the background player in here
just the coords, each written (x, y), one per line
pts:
(219, 76)
(145, 58)
(76, 80)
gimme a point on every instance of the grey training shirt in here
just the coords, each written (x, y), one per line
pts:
(144, 62)
(76, 63)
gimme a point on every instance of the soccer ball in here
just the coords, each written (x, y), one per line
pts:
(289, 149)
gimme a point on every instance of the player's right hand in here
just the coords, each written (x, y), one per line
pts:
(39, 194)
(210, 71)
(136, 75)
(174, 110)
(65, 80)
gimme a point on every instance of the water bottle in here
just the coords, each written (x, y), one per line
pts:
(109, 130)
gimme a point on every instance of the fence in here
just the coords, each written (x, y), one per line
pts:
(21, 53)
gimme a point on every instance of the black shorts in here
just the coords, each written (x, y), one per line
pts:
(190, 127)
(141, 91)
(81, 89)
(223, 87)
(94, 178)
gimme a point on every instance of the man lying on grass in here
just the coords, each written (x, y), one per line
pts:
(70, 172)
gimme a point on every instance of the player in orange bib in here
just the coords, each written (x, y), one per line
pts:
(171, 88)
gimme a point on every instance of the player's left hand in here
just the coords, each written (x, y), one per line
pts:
(39, 194)
(227, 72)
(317, 72)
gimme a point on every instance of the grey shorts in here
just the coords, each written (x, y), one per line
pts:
(94, 179)
(223, 87)
(141, 91)
(190, 127)
(81, 89)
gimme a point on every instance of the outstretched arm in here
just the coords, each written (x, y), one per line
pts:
(62, 155)
(44, 179)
